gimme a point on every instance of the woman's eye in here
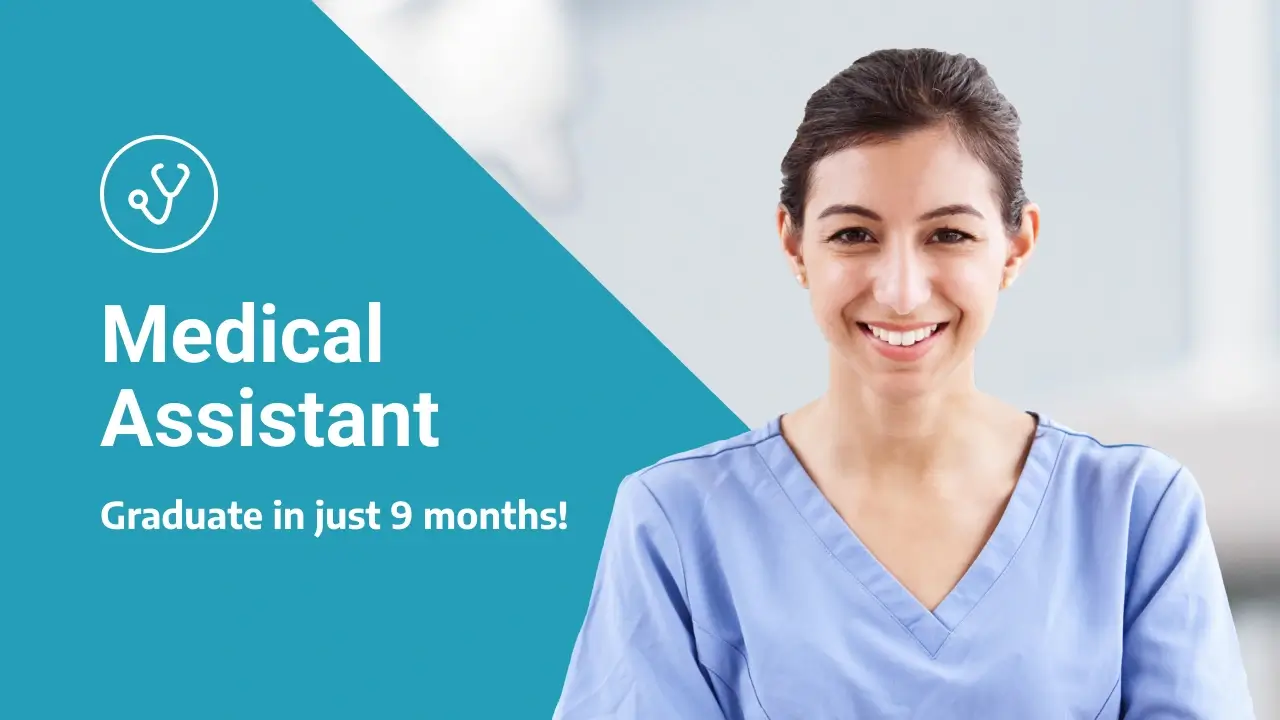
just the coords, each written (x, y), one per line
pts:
(951, 237)
(852, 236)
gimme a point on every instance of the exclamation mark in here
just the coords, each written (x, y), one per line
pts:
(564, 511)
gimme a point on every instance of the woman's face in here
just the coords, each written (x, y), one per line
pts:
(904, 253)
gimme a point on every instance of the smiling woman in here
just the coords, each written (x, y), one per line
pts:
(906, 545)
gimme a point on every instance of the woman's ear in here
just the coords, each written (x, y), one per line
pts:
(1022, 244)
(791, 245)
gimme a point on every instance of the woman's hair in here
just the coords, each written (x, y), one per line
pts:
(889, 93)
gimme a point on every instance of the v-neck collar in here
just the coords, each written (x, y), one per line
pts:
(930, 629)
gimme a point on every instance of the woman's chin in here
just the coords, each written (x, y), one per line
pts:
(896, 382)
(903, 386)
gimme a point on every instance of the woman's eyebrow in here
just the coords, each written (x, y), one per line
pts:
(846, 209)
(957, 209)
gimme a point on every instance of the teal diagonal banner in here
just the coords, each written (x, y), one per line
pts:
(334, 191)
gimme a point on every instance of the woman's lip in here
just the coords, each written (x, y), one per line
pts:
(897, 327)
(903, 353)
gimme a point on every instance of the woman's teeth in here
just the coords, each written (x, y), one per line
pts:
(911, 337)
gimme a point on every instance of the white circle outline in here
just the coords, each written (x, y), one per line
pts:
(102, 193)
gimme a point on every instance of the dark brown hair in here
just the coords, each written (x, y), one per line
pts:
(889, 93)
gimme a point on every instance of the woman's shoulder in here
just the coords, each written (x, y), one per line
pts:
(1115, 470)
(725, 464)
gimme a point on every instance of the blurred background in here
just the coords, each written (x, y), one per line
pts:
(646, 136)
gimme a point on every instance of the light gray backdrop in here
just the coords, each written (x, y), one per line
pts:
(646, 136)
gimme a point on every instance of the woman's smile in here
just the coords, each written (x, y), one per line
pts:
(902, 343)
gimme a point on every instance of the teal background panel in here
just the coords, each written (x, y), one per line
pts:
(335, 190)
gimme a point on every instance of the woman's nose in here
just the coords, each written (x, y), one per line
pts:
(901, 278)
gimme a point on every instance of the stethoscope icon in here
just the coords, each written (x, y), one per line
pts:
(138, 199)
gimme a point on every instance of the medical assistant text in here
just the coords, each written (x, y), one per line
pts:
(241, 340)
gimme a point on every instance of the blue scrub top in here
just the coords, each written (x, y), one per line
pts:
(729, 587)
